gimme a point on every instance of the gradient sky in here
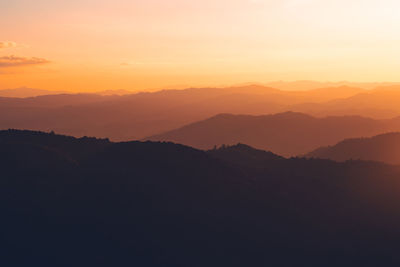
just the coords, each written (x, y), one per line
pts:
(90, 45)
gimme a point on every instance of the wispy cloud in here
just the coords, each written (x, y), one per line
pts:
(7, 44)
(14, 61)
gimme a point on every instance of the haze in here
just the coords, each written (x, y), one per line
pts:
(141, 45)
(199, 133)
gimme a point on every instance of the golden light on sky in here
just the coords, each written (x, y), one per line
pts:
(90, 45)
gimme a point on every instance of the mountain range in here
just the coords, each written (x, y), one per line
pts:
(24, 92)
(140, 115)
(384, 148)
(287, 134)
(304, 85)
(92, 202)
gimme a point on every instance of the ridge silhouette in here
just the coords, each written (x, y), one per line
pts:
(66, 201)
(288, 134)
(384, 148)
(140, 115)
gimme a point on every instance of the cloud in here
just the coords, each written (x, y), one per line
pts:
(7, 44)
(13, 61)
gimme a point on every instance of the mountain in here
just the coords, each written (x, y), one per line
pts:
(71, 148)
(244, 155)
(139, 115)
(288, 134)
(115, 92)
(323, 94)
(381, 102)
(136, 116)
(311, 85)
(24, 92)
(27, 92)
(52, 101)
(384, 148)
(162, 204)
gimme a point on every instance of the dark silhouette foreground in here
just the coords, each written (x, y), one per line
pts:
(89, 202)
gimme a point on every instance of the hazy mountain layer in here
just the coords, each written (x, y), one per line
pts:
(24, 92)
(140, 115)
(287, 134)
(385, 148)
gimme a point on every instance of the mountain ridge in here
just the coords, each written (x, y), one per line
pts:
(383, 147)
(162, 204)
(287, 134)
(140, 115)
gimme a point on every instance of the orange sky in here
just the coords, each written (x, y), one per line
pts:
(91, 45)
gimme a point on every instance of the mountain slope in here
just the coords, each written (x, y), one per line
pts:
(304, 85)
(384, 148)
(161, 204)
(73, 148)
(381, 102)
(136, 116)
(140, 115)
(287, 134)
(27, 92)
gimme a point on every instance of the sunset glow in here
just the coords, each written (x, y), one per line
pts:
(89, 45)
(158, 133)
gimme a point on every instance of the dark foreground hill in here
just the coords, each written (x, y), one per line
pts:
(384, 148)
(287, 134)
(162, 204)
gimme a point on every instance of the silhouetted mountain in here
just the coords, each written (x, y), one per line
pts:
(323, 94)
(70, 147)
(381, 102)
(137, 116)
(287, 134)
(244, 155)
(384, 148)
(162, 204)
(51, 101)
(27, 92)
(114, 92)
(311, 85)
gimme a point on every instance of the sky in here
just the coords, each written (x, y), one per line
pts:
(92, 45)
